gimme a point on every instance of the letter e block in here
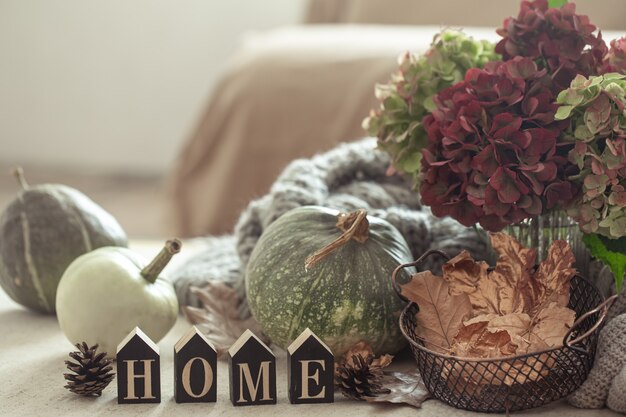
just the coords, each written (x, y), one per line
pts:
(252, 371)
(310, 370)
(195, 369)
(138, 369)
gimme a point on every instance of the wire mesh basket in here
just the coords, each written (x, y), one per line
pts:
(517, 382)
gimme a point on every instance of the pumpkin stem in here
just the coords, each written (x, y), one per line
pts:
(353, 225)
(152, 271)
(18, 173)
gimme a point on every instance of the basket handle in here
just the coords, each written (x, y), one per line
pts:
(394, 275)
(604, 308)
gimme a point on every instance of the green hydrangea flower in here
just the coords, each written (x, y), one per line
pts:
(408, 96)
(596, 109)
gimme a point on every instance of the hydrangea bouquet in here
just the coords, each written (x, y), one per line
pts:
(496, 134)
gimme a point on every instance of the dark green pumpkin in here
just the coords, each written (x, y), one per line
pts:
(42, 231)
(346, 297)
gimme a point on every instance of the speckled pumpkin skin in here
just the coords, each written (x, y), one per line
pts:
(345, 298)
(41, 232)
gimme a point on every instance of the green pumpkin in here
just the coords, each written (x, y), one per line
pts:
(343, 294)
(42, 231)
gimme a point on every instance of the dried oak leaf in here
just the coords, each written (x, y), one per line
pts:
(440, 313)
(404, 388)
(219, 319)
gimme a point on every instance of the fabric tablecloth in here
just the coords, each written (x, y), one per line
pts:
(33, 350)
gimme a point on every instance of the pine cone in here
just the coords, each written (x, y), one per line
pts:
(91, 374)
(360, 378)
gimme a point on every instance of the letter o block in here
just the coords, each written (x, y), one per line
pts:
(195, 369)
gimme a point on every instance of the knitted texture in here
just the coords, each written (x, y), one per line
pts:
(609, 362)
(617, 393)
(218, 260)
(349, 177)
(618, 308)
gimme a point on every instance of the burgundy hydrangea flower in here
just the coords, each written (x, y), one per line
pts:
(493, 155)
(558, 40)
(615, 59)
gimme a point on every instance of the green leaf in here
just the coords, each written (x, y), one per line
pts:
(612, 252)
(556, 3)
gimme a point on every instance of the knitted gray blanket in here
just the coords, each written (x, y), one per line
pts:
(349, 177)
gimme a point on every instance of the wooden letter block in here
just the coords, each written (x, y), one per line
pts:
(310, 370)
(195, 369)
(252, 371)
(138, 369)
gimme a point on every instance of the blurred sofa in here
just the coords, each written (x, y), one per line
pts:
(294, 91)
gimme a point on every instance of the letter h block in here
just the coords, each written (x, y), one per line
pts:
(138, 369)
(252, 371)
(310, 370)
(195, 369)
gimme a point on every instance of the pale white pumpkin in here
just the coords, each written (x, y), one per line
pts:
(106, 293)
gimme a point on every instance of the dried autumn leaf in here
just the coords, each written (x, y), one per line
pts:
(510, 283)
(516, 309)
(440, 314)
(476, 340)
(514, 260)
(515, 324)
(501, 296)
(506, 289)
(383, 361)
(511, 287)
(219, 319)
(463, 273)
(492, 336)
(551, 281)
(404, 388)
(364, 349)
(467, 338)
(552, 324)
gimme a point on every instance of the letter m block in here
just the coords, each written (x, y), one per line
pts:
(252, 371)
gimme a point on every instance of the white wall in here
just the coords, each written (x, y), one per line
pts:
(115, 84)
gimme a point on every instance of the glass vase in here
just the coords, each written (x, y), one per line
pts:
(539, 232)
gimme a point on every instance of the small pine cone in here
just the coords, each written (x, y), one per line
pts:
(359, 378)
(91, 374)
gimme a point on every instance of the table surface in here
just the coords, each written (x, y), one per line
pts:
(33, 348)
